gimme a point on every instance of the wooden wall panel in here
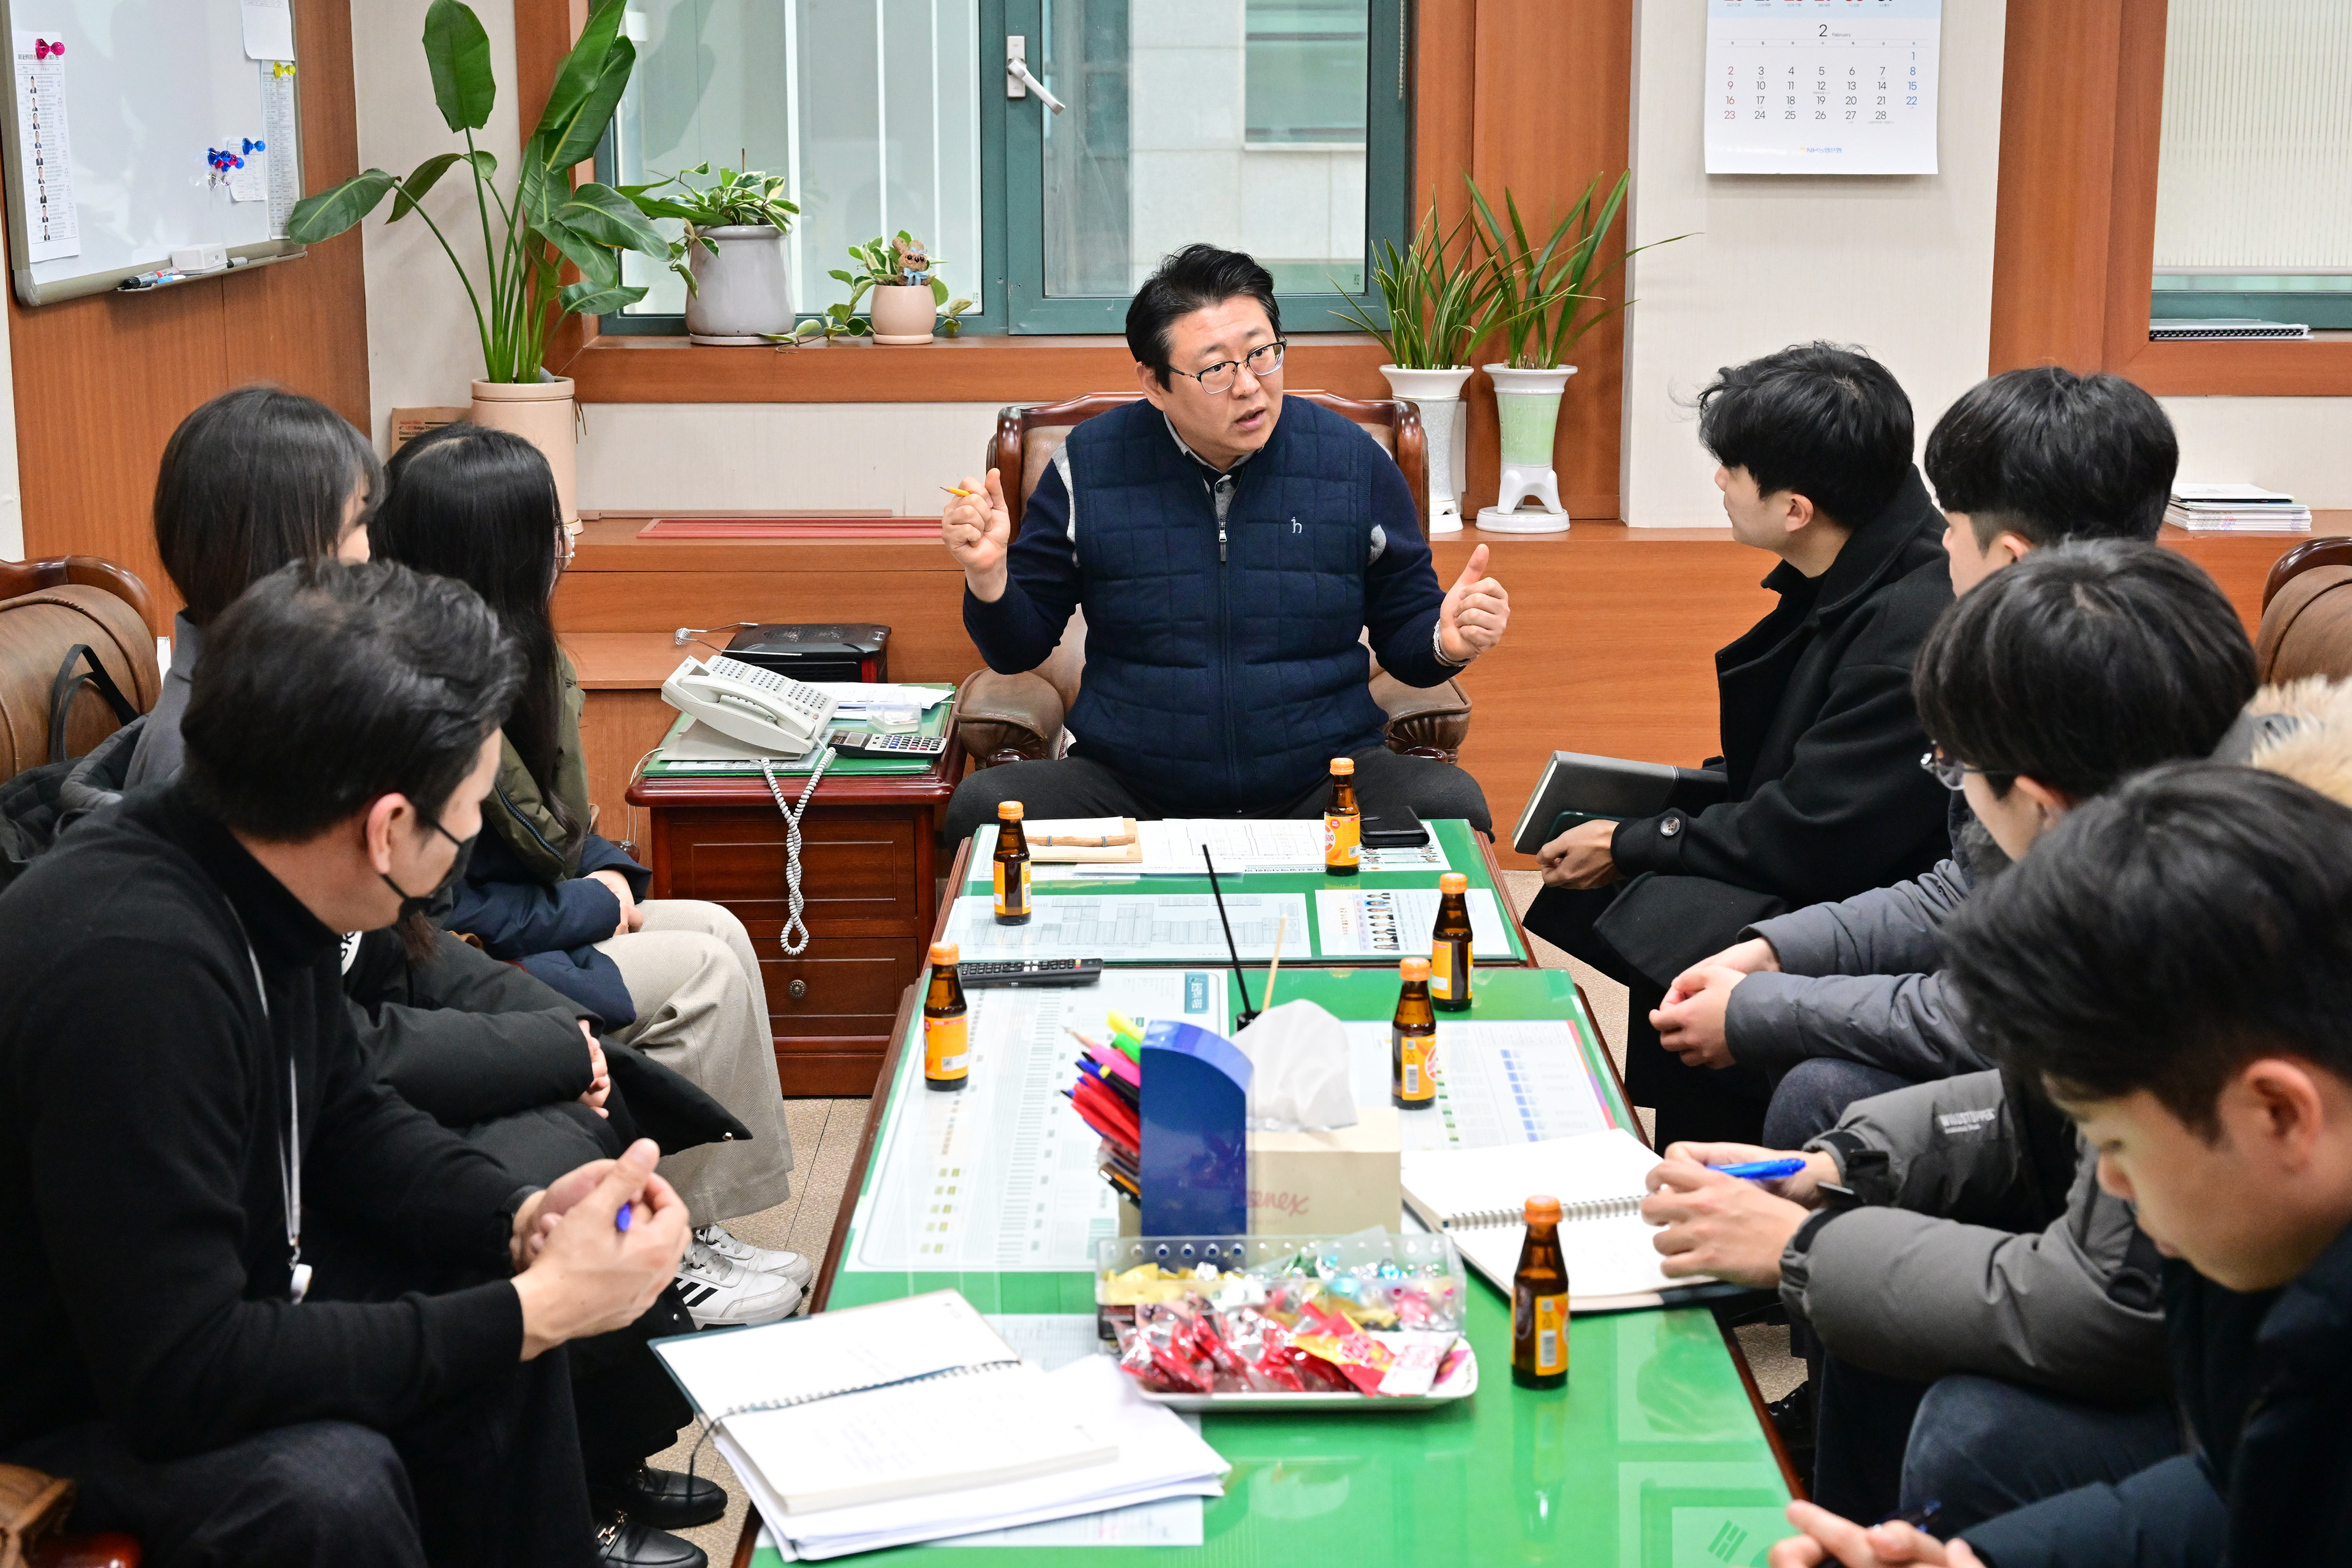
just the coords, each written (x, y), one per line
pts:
(101, 383)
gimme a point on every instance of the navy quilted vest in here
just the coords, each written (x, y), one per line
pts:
(1222, 686)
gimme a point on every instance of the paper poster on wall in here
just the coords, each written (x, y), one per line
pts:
(268, 29)
(1821, 87)
(53, 228)
(282, 163)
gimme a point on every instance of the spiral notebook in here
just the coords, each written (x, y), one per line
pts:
(1479, 1197)
(874, 1403)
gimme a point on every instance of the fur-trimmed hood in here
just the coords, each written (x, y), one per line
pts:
(2301, 730)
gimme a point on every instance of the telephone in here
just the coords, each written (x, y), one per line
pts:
(756, 707)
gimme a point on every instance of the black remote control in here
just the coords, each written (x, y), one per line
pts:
(979, 974)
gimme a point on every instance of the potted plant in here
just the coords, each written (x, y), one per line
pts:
(739, 285)
(1542, 312)
(1438, 302)
(542, 220)
(907, 294)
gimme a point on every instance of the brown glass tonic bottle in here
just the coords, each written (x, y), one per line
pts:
(1413, 1040)
(1540, 1302)
(1449, 946)
(1343, 822)
(947, 1023)
(1012, 866)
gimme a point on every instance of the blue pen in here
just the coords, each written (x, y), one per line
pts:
(1762, 1170)
(621, 1218)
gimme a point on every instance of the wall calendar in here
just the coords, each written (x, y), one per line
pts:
(1821, 87)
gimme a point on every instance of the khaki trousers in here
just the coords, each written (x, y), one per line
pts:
(703, 1013)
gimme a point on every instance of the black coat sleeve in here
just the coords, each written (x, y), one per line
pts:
(1853, 805)
(189, 1352)
(2168, 1516)
(468, 1038)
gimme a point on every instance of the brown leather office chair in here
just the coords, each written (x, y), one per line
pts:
(46, 608)
(1012, 718)
(2306, 626)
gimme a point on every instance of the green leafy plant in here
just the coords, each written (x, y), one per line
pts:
(1543, 294)
(543, 220)
(951, 316)
(747, 198)
(836, 321)
(883, 264)
(1439, 300)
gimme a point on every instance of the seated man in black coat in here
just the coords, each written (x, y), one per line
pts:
(1820, 744)
(2169, 962)
(331, 1332)
(1231, 549)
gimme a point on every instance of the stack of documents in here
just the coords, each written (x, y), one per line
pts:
(2236, 509)
(913, 1420)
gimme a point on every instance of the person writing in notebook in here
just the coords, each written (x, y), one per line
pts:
(1231, 549)
(335, 1333)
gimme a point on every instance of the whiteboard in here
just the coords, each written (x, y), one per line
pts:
(112, 108)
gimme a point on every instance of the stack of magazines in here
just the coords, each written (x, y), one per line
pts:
(2236, 509)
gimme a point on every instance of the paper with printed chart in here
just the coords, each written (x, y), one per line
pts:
(1142, 927)
(999, 1176)
(1499, 1082)
(1395, 922)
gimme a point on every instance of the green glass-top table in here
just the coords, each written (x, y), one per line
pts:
(1463, 850)
(1654, 1455)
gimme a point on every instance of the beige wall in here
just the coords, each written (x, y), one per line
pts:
(1902, 265)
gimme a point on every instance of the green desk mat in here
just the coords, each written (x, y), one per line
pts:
(934, 722)
(1462, 852)
(1651, 1458)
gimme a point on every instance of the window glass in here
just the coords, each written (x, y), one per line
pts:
(2256, 161)
(1239, 122)
(870, 109)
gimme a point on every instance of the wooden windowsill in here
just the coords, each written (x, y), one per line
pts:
(972, 368)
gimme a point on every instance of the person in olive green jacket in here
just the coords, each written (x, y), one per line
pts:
(677, 978)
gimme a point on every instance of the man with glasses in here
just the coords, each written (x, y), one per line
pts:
(1231, 553)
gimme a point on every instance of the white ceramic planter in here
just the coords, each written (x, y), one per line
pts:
(1526, 407)
(745, 290)
(1438, 395)
(541, 412)
(903, 312)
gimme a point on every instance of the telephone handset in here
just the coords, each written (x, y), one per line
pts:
(756, 707)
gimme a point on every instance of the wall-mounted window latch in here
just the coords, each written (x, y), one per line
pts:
(1018, 82)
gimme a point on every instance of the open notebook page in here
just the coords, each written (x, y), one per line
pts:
(810, 1358)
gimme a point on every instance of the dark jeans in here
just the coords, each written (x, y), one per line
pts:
(1386, 784)
(1698, 1103)
(1975, 1445)
(1810, 1096)
(490, 1478)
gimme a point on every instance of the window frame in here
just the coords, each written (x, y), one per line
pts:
(1012, 203)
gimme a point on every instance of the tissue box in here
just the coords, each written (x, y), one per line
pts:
(1321, 1184)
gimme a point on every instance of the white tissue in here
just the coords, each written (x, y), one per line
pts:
(1298, 1071)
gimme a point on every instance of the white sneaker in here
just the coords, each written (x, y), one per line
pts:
(800, 1271)
(721, 1293)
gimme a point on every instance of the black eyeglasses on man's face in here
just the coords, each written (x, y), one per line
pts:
(1261, 361)
(1948, 772)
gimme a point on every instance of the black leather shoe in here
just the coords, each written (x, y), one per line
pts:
(623, 1542)
(667, 1499)
(1792, 1414)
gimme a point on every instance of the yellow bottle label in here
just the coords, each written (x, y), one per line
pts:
(1441, 971)
(1343, 840)
(946, 1047)
(1413, 1053)
(1019, 902)
(1551, 1334)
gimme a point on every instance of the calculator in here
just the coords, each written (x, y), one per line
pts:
(854, 743)
(983, 973)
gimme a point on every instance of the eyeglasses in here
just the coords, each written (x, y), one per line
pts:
(1949, 773)
(1262, 361)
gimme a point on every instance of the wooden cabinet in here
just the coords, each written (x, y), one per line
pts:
(869, 880)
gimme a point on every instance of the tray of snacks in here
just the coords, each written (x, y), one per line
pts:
(1372, 1320)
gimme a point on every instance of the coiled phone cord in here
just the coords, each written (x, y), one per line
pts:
(793, 847)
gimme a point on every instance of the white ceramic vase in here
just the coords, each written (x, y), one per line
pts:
(745, 290)
(1438, 395)
(1526, 407)
(903, 312)
(542, 414)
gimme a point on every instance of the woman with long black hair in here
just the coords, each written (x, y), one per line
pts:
(675, 978)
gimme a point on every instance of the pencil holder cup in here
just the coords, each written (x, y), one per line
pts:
(1195, 1132)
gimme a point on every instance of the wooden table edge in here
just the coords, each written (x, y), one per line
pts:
(1763, 1413)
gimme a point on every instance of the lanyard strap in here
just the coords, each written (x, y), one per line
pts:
(289, 1165)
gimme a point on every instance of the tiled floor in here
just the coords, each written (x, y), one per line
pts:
(824, 1144)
